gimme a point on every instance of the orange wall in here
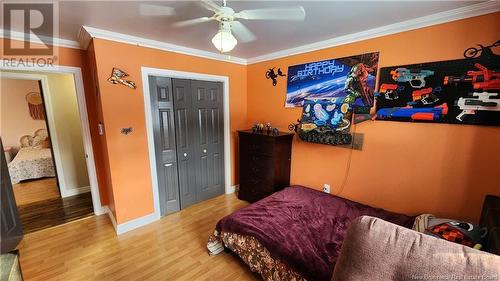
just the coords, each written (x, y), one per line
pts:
(124, 107)
(78, 58)
(98, 141)
(405, 167)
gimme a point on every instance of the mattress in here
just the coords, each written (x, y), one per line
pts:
(31, 163)
(299, 227)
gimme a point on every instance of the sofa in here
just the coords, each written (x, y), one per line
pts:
(375, 250)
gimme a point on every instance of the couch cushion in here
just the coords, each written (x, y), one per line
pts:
(378, 250)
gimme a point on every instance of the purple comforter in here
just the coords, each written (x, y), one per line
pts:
(303, 227)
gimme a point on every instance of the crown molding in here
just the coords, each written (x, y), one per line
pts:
(438, 18)
(16, 35)
(148, 43)
(83, 38)
(86, 33)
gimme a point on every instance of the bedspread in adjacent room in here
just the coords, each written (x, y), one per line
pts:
(302, 228)
(31, 163)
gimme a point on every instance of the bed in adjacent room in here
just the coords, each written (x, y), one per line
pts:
(34, 158)
(294, 234)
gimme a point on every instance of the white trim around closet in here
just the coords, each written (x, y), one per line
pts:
(148, 71)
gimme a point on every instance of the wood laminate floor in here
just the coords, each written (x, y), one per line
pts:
(173, 248)
(31, 191)
(55, 211)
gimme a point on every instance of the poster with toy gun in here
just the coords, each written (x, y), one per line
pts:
(464, 91)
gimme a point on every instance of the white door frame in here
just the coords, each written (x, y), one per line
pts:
(50, 120)
(82, 107)
(148, 71)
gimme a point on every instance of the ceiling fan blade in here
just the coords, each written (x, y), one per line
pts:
(242, 32)
(296, 13)
(155, 10)
(190, 22)
(209, 4)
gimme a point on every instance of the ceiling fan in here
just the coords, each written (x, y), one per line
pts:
(224, 40)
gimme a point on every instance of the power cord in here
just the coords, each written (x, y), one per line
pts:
(348, 165)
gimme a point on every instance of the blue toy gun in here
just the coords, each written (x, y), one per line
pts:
(416, 79)
(414, 113)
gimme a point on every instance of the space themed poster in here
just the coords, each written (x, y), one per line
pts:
(352, 78)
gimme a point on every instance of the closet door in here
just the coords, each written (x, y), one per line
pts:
(184, 131)
(165, 147)
(209, 138)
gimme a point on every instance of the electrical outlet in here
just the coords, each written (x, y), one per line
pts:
(326, 188)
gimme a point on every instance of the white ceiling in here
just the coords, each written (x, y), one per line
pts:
(324, 20)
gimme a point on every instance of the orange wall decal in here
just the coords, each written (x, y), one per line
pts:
(124, 107)
(412, 168)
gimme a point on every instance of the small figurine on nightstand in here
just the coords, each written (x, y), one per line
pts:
(255, 128)
(258, 128)
(268, 128)
(261, 128)
(276, 132)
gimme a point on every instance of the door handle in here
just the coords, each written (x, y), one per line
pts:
(204, 151)
(168, 165)
(185, 154)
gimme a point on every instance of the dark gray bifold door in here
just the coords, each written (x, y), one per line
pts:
(164, 134)
(184, 126)
(11, 231)
(209, 138)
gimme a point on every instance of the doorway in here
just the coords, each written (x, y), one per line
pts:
(188, 128)
(48, 167)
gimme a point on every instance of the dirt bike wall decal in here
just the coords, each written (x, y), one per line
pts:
(482, 51)
(270, 74)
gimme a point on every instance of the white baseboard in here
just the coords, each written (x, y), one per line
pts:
(72, 191)
(110, 215)
(100, 211)
(232, 189)
(130, 225)
(142, 221)
(136, 223)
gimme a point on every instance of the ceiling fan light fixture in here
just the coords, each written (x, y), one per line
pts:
(224, 40)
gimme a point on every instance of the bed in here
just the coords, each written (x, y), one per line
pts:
(294, 234)
(34, 158)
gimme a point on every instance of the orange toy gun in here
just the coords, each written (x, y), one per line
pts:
(481, 79)
(426, 96)
(390, 91)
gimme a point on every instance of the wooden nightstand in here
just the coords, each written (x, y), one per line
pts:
(264, 164)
